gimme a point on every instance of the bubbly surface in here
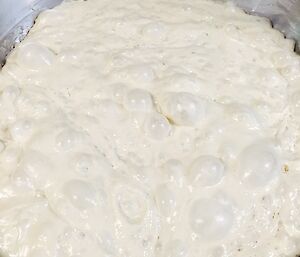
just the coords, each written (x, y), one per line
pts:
(150, 129)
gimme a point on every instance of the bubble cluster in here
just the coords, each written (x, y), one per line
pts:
(150, 128)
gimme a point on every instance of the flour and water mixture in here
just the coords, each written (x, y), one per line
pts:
(150, 129)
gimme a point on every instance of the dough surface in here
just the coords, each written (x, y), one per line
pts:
(150, 129)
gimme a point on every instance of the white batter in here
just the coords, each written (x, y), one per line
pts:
(150, 129)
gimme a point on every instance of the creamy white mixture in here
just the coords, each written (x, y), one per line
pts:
(150, 129)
